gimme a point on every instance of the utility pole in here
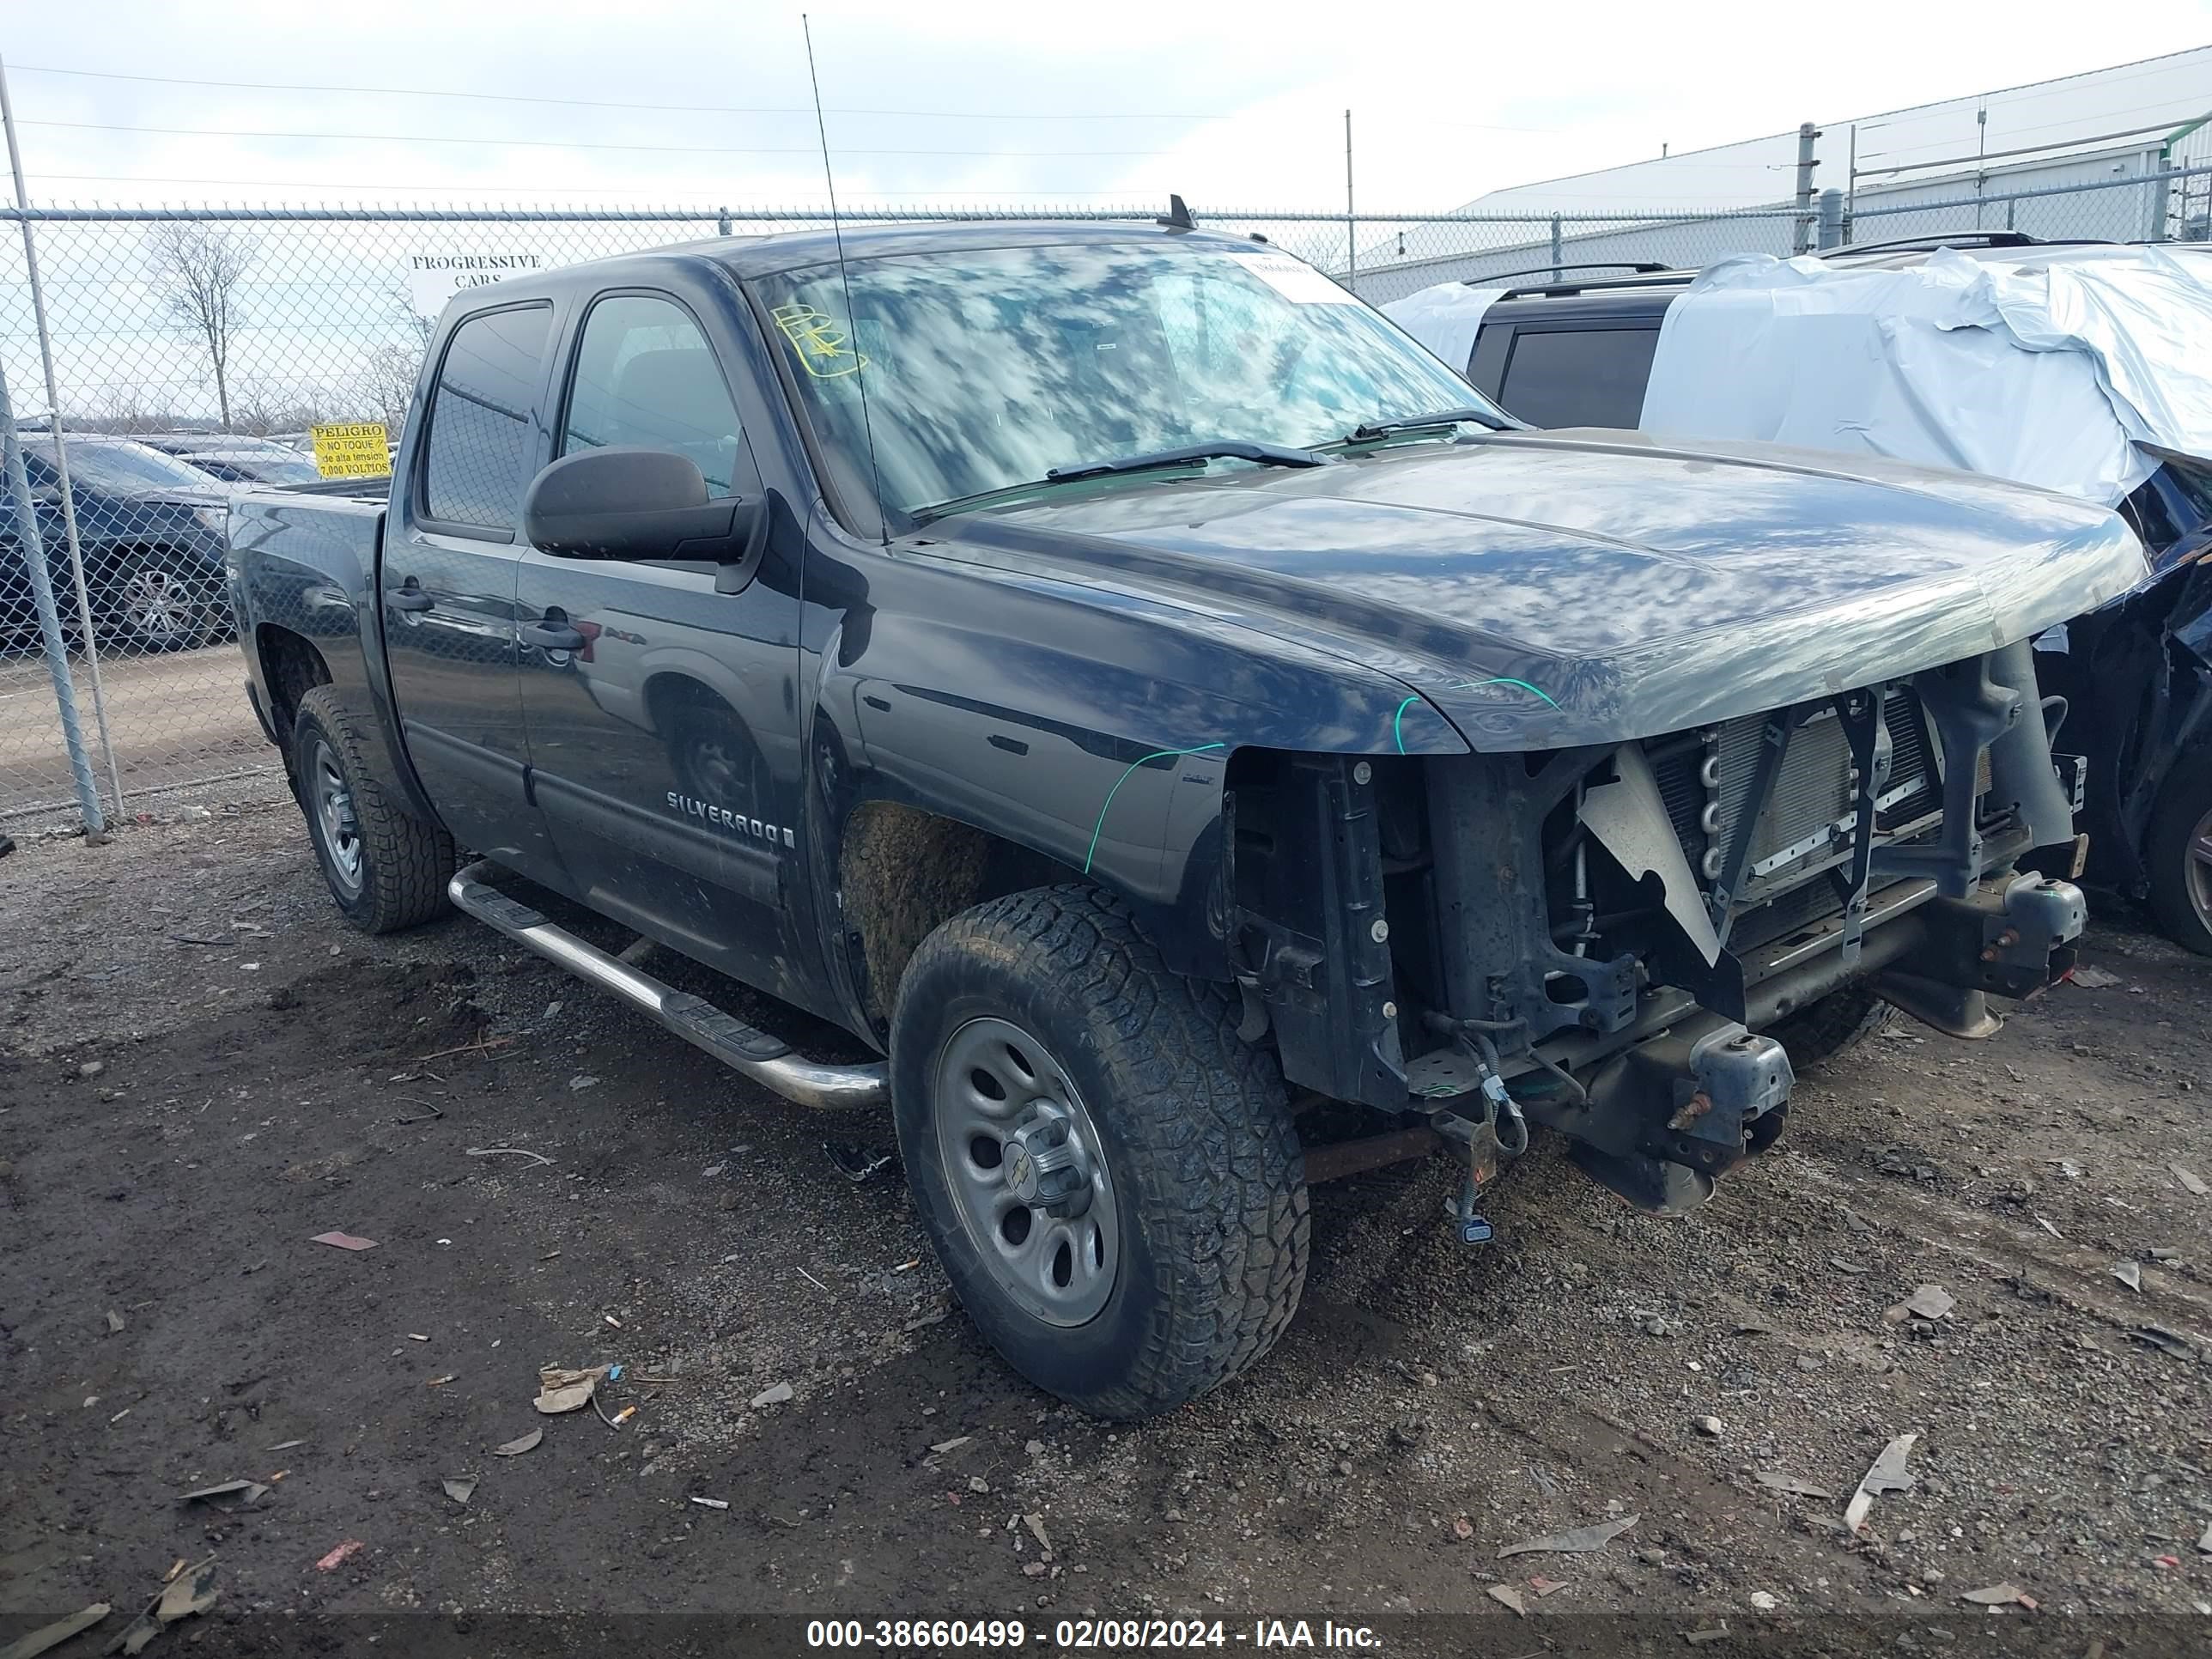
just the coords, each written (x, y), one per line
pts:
(1351, 228)
(1800, 239)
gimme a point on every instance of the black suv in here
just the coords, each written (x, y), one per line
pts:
(2131, 682)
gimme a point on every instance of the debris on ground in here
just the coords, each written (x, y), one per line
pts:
(1775, 1480)
(2093, 979)
(2190, 1180)
(520, 1444)
(2204, 1542)
(712, 1503)
(2000, 1596)
(2157, 1336)
(563, 1390)
(1710, 1425)
(2129, 1275)
(53, 1635)
(1544, 1586)
(343, 1241)
(459, 1487)
(582, 1081)
(954, 1445)
(1036, 1524)
(1595, 1536)
(507, 1151)
(1699, 1638)
(977, 1483)
(1888, 1473)
(1656, 1324)
(1765, 1601)
(1511, 1597)
(2052, 1231)
(337, 1557)
(247, 1491)
(114, 1322)
(184, 1594)
(855, 1163)
(772, 1396)
(1462, 1529)
(1930, 1302)
(1751, 1324)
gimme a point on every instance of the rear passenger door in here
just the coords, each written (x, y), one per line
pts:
(449, 583)
(663, 715)
(1581, 373)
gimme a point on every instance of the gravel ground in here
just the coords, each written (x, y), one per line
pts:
(200, 1069)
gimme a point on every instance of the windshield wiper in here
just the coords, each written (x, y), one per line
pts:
(1234, 449)
(1372, 429)
(1231, 449)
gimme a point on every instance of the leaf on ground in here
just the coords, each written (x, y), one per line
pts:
(1594, 1536)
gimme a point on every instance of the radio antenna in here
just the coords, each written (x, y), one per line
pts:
(845, 280)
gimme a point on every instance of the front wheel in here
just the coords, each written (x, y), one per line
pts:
(1108, 1174)
(2178, 857)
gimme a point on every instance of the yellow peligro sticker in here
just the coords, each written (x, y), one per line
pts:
(825, 349)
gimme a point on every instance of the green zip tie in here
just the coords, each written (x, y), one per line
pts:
(1162, 754)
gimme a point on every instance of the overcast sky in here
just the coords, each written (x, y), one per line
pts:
(1232, 105)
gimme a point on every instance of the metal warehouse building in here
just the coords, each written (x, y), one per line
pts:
(2052, 159)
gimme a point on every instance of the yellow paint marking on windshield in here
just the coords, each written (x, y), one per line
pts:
(825, 349)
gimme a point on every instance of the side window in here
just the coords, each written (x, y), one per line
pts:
(1579, 377)
(477, 458)
(645, 376)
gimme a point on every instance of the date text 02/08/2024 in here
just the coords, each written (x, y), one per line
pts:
(1086, 1635)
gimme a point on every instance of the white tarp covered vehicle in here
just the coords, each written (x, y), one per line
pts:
(2053, 367)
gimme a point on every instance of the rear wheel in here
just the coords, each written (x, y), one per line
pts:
(2178, 853)
(1109, 1176)
(1831, 1025)
(386, 868)
(160, 600)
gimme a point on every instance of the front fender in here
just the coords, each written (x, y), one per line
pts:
(1093, 727)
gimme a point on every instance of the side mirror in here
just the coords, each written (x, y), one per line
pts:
(622, 502)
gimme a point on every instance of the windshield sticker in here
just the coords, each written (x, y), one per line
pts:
(1296, 280)
(825, 349)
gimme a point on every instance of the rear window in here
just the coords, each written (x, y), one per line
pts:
(479, 445)
(1578, 377)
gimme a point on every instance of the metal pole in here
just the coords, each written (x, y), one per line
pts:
(85, 631)
(1802, 240)
(33, 549)
(1832, 219)
(1851, 185)
(1351, 229)
(1981, 150)
(1559, 252)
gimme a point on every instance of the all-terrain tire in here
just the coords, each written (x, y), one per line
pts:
(1829, 1026)
(390, 871)
(1208, 1185)
(2169, 852)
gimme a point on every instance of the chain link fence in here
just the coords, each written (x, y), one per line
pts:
(195, 352)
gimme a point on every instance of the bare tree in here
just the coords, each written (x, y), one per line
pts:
(388, 382)
(199, 272)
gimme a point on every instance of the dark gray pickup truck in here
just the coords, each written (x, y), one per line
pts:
(1137, 692)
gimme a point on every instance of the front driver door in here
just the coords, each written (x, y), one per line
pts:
(662, 715)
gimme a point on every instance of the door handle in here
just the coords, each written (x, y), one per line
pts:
(408, 598)
(552, 635)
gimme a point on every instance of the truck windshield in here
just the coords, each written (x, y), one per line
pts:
(987, 368)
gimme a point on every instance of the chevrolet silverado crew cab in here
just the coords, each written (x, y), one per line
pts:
(1138, 693)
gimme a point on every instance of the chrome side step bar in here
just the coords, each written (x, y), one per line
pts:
(768, 1060)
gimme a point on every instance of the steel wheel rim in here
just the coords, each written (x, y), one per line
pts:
(157, 607)
(2198, 871)
(334, 817)
(1011, 1127)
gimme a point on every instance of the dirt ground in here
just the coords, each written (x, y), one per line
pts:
(200, 1070)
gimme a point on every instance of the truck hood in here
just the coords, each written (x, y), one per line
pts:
(1544, 590)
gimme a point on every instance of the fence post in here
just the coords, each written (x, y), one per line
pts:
(61, 448)
(1558, 251)
(1802, 241)
(32, 548)
(1832, 219)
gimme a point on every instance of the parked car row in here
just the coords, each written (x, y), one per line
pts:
(2130, 681)
(149, 516)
